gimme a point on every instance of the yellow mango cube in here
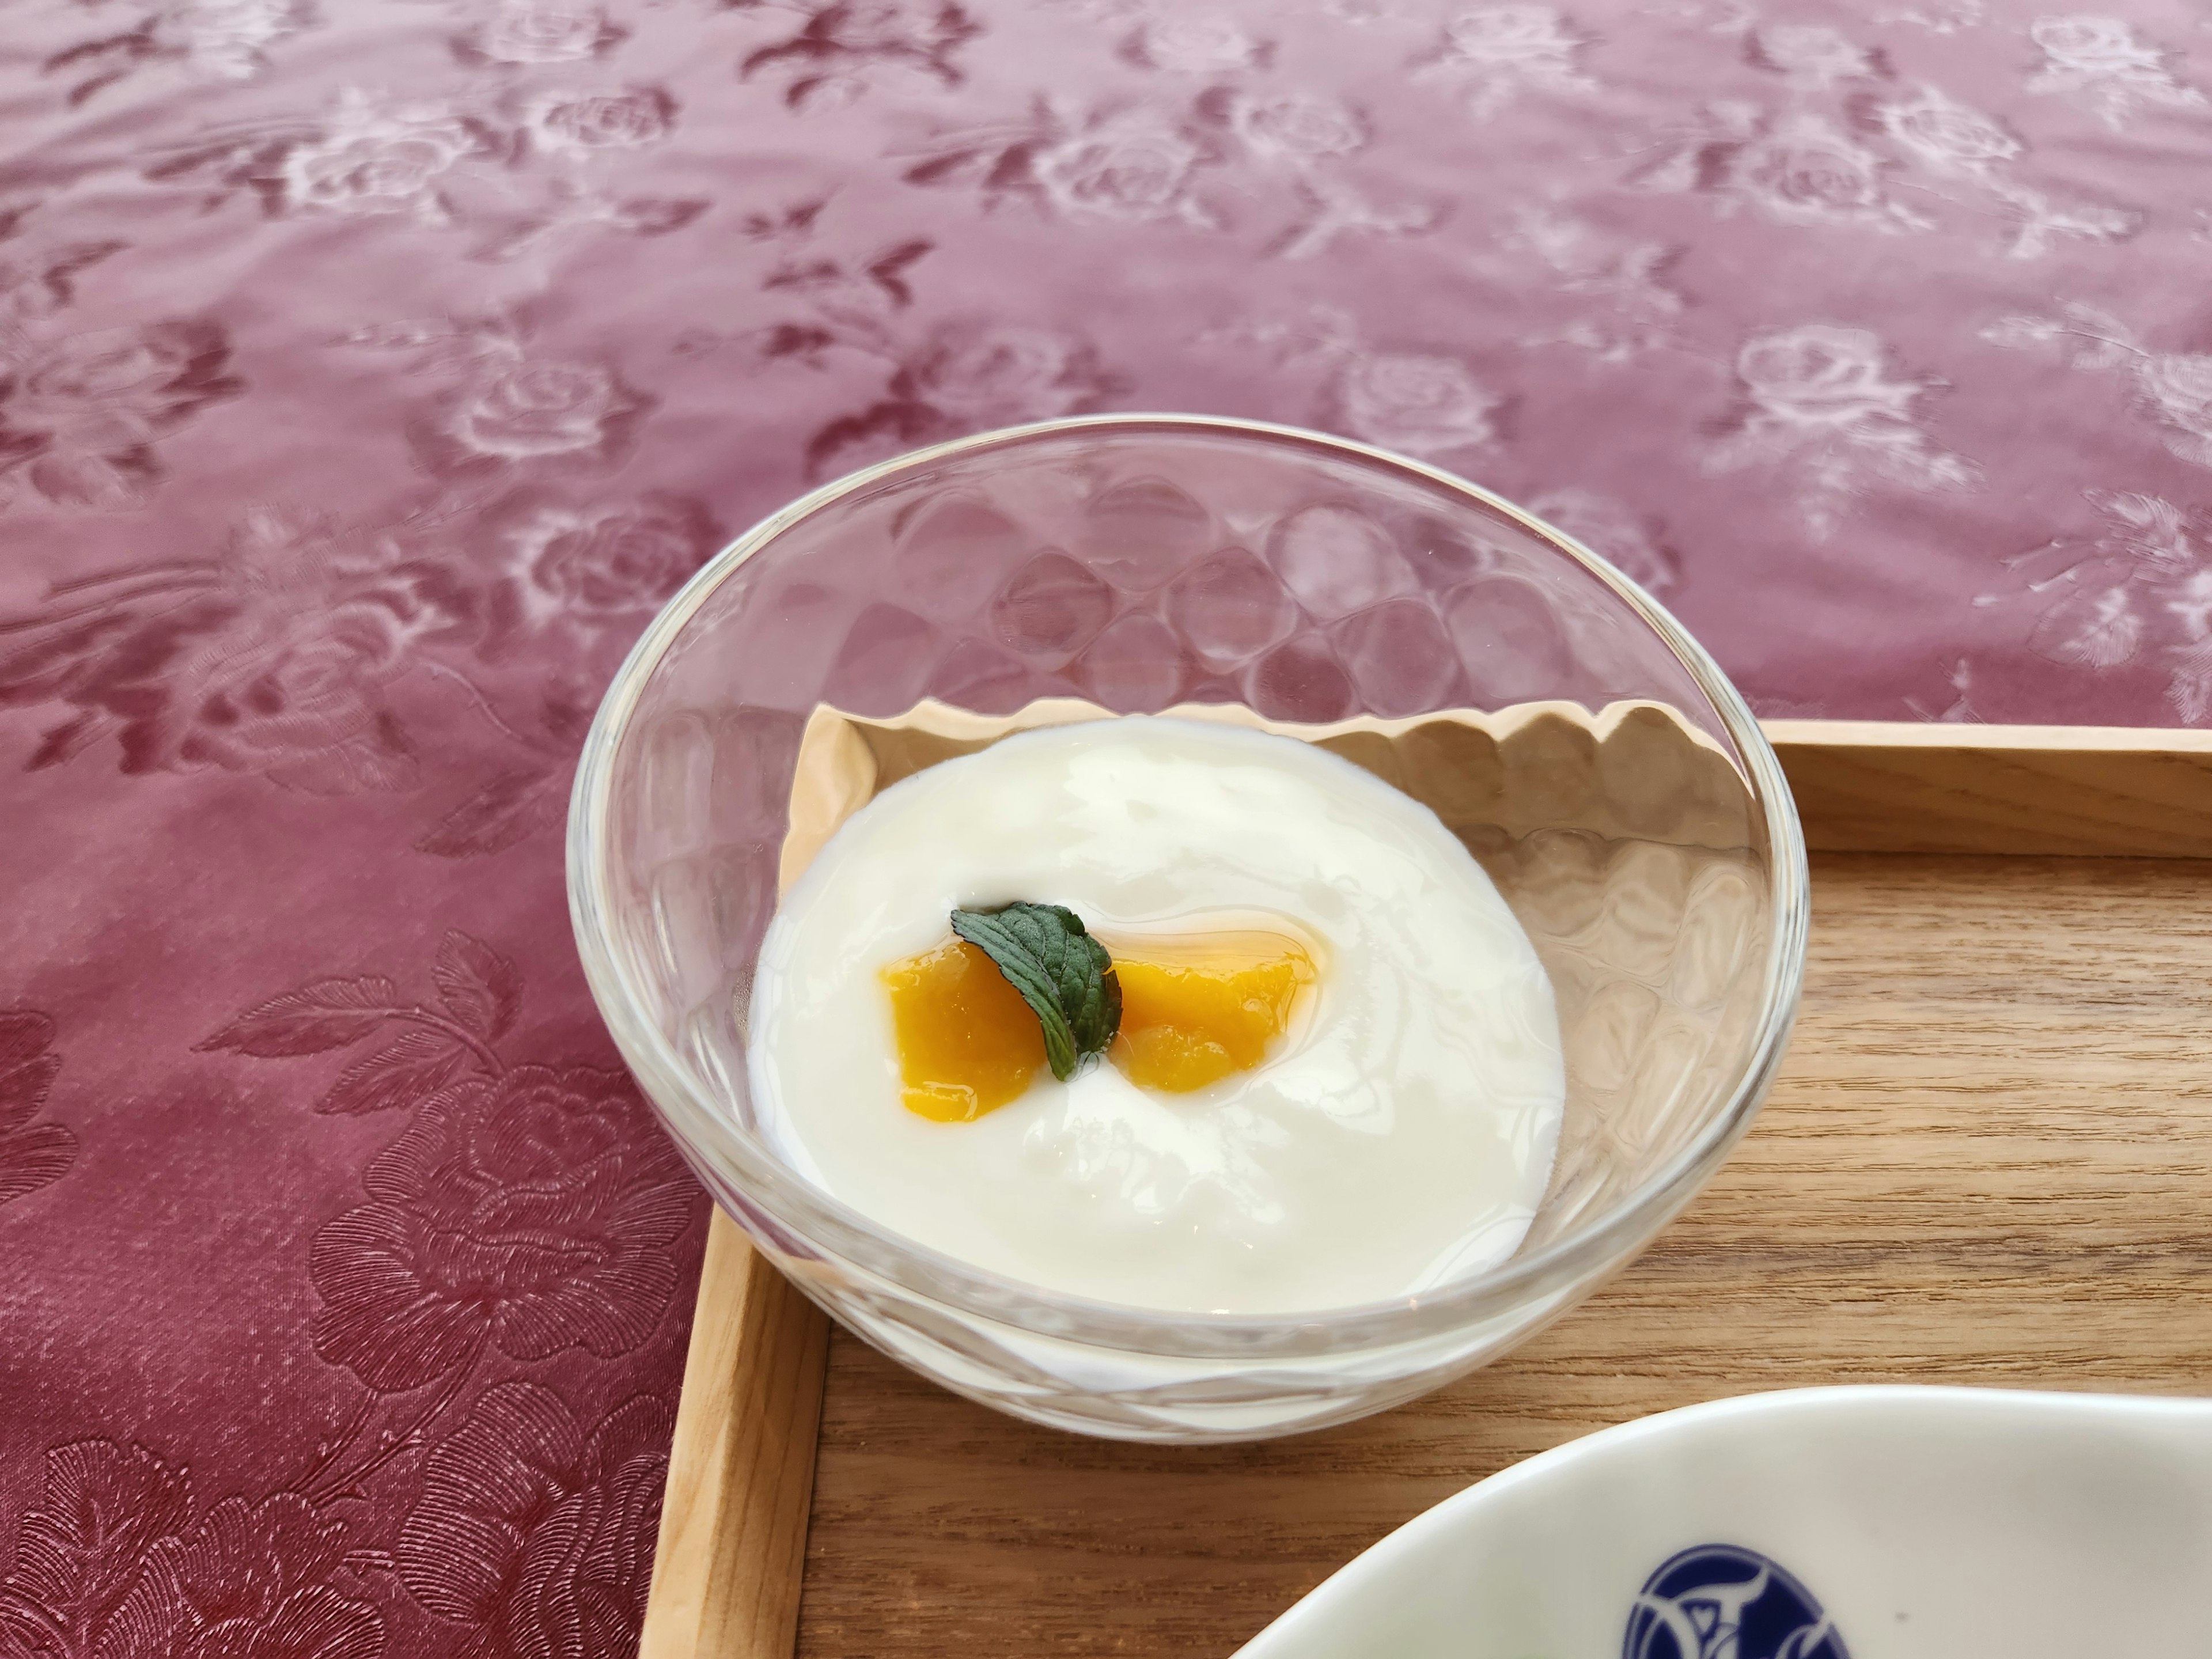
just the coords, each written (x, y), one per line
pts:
(1194, 1011)
(967, 1041)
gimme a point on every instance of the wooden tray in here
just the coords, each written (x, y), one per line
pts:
(1985, 1162)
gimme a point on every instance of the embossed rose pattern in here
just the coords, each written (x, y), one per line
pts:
(369, 373)
(33, 1154)
(536, 32)
(515, 1213)
(609, 565)
(1420, 405)
(379, 158)
(567, 1512)
(628, 120)
(80, 415)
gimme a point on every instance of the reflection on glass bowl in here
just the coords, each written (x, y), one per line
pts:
(1579, 743)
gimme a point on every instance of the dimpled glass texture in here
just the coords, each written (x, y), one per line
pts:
(1140, 561)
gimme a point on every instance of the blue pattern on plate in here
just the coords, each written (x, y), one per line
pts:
(1722, 1601)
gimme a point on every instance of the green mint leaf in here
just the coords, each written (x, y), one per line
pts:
(1063, 974)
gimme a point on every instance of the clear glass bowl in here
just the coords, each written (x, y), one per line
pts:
(1139, 562)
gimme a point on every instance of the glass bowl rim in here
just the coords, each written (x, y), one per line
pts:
(826, 1225)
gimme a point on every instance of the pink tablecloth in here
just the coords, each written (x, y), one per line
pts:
(373, 368)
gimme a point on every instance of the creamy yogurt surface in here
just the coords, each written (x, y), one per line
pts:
(1399, 1134)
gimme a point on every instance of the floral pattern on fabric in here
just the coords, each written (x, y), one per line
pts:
(2106, 65)
(569, 1515)
(512, 1213)
(1823, 403)
(525, 1211)
(80, 415)
(371, 373)
(33, 1154)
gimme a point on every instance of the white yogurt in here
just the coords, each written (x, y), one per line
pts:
(1400, 1134)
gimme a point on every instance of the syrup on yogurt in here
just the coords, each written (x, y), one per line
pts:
(1395, 1131)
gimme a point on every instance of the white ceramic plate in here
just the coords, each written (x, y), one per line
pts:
(1822, 1523)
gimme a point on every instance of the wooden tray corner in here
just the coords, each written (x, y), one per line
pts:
(1982, 1163)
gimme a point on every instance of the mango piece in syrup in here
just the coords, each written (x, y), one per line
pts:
(1194, 1010)
(967, 1041)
